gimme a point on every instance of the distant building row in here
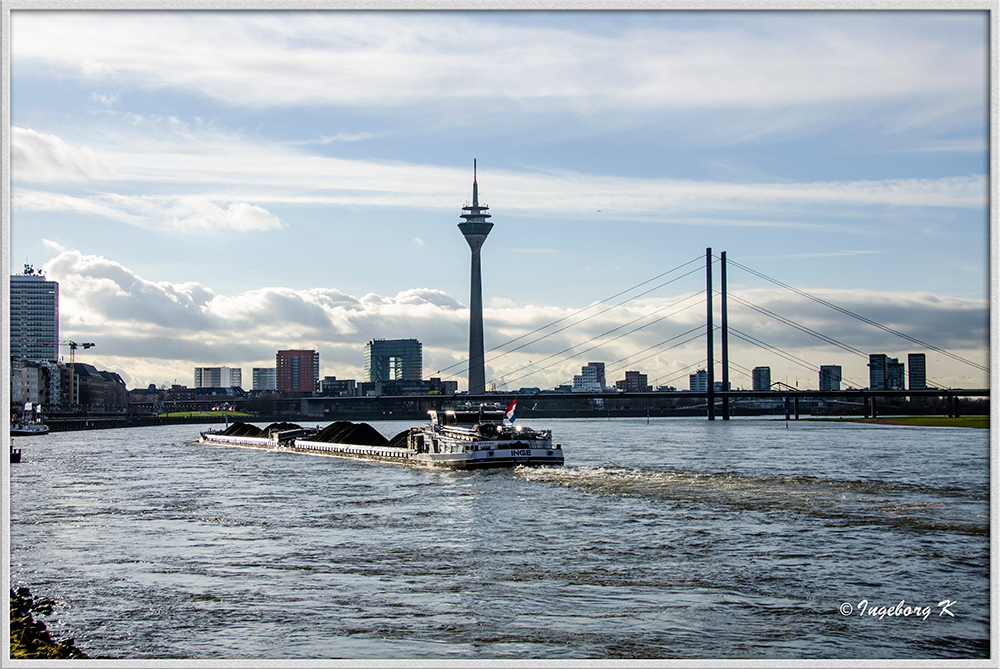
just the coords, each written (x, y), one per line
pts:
(58, 385)
(884, 373)
(391, 367)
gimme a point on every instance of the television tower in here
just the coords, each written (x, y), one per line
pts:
(475, 228)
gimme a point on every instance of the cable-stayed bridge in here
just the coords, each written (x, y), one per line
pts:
(676, 318)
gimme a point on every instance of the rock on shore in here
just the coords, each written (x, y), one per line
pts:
(29, 639)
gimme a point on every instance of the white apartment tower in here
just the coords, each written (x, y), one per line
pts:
(218, 377)
(590, 379)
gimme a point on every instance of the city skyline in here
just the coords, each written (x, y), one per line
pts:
(260, 181)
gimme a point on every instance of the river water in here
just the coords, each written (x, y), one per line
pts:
(666, 538)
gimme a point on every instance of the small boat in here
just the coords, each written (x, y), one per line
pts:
(481, 436)
(22, 428)
(15, 454)
(28, 425)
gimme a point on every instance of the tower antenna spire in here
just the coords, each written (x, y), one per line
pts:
(475, 185)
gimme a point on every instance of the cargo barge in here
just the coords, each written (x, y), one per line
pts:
(472, 437)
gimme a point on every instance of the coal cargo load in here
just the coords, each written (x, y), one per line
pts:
(346, 432)
(279, 427)
(241, 430)
(401, 440)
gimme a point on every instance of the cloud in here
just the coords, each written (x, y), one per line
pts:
(143, 327)
(200, 213)
(349, 59)
(38, 156)
(182, 213)
(214, 181)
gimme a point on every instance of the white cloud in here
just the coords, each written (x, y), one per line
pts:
(223, 181)
(352, 58)
(153, 326)
(183, 213)
(38, 156)
(201, 214)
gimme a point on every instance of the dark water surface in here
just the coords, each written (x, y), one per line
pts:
(676, 538)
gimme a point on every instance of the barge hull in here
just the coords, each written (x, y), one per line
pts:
(461, 461)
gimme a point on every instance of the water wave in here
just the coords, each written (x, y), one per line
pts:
(840, 502)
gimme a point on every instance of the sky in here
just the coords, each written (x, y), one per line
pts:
(211, 187)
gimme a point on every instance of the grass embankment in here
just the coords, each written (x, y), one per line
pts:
(204, 414)
(924, 421)
(29, 640)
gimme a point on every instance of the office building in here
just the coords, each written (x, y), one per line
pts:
(330, 386)
(475, 229)
(393, 360)
(218, 377)
(297, 371)
(895, 374)
(698, 382)
(590, 379)
(761, 378)
(265, 378)
(877, 363)
(34, 316)
(633, 382)
(830, 377)
(917, 363)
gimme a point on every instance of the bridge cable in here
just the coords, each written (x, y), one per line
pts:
(784, 354)
(859, 317)
(799, 326)
(587, 308)
(607, 332)
(697, 329)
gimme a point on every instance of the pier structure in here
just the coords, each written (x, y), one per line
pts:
(475, 228)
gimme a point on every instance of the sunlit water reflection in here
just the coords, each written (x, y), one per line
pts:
(673, 538)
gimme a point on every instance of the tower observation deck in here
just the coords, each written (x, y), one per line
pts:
(476, 228)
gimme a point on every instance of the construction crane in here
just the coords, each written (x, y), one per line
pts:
(72, 349)
(62, 342)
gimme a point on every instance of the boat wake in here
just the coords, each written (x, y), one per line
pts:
(840, 502)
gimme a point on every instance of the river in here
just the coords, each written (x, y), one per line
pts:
(663, 538)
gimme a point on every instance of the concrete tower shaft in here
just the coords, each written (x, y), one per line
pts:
(476, 228)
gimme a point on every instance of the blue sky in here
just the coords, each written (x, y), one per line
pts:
(210, 187)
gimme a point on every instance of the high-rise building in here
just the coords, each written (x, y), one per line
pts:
(698, 382)
(475, 228)
(877, 363)
(761, 378)
(590, 379)
(265, 378)
(34, 316)
(895, 374)
(218, 377)
(917, 363)
(394, 360)
(297, 371)
(830, 377)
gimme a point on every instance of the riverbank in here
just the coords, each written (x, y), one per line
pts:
(29, 638)
(979, 422)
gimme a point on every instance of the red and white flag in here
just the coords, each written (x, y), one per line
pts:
(509, 412)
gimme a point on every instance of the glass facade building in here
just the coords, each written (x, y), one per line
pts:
(918, 371)
(393, 360)
(761, 378)
(34, 317)
(829, 377)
